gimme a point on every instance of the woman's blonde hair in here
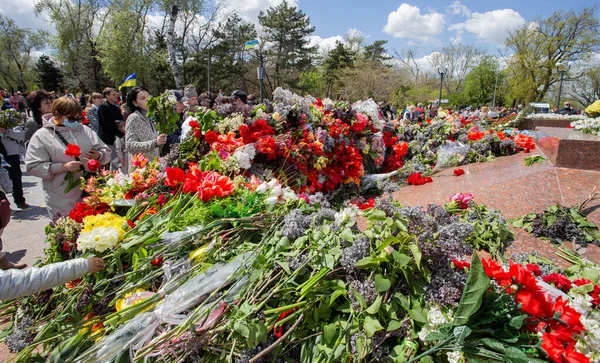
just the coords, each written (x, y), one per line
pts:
(66, 107)
(91, 98)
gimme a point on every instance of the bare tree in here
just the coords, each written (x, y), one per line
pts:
(459, 59)
(586, 88)
(408, 62)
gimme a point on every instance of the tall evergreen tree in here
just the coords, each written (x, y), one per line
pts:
(50, 75)
(287, 28)
(338, 59)
(376, 52)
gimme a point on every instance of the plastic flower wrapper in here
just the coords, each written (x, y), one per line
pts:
(451, 154)
(136, 332)
(369, 108)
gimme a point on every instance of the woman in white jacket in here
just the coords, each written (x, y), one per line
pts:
(46, 154)
(17, 283)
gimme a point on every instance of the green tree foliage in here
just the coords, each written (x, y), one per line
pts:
(16, 45)
(76, 24)
(49, 75)
(480, 83)
(338, 60)
(229, 62)
(287, 28)
(121, 43)
(539, 46)
(376, 53)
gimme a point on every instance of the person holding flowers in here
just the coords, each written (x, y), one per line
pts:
(141, 136)
(60, 152)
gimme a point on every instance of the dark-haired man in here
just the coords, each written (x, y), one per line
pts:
(108, 115)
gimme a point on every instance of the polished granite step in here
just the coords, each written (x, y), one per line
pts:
(568, 148)
(533, 123)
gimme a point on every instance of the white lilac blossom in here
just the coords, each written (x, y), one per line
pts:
(284, 100)
(244, 156)
(455, 357)
(435, 318)
(589, 343)
(231, 123)
(98, 239)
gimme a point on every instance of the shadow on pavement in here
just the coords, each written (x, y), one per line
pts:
(15, 256)
(31, 214)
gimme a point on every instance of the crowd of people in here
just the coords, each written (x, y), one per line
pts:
(107, 127)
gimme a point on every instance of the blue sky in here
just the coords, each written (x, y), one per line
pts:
(483, 23)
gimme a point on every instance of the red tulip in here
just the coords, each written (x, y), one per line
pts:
(73, 150)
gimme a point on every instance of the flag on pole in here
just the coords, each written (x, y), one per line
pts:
(251, 44)
(129, 81)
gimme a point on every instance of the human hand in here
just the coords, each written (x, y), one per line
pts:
(161, 139)
(95, 264)
(71, 166)
(92, 154)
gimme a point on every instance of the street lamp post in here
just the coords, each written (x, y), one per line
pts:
(562, 70)
(495, 87)
(441, 71)
(261, 76)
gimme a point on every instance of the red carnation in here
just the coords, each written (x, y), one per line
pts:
(534, 269)
(460, 264)
(458, 172)
(211, 137)
(559, 281)
(194, 124)
(73, 150)
(93, 165)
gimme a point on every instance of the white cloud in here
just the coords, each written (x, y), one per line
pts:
(458, 8)
(355, 33)
(23, 13)
(491, 26)
(249, 9)
(326, 44)
(407, 22)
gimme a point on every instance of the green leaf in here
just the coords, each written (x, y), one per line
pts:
(493, 344)
(372, 326)
(518, 223)
(461, 333)
(377, 215)
(334, 295)
(329, 333)
(370, 262)
(416, 254)
(470, 301)
(517, 321)
(374, 308)
(514, 355)
(347, 235)
(381, 283)
(360, 299)
(402, 259)
(394, 325)
(418, 314)
(241, 328)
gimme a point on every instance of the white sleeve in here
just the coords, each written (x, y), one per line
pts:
(17, 283)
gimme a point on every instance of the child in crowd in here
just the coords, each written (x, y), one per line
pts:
(16, 283)
(121, 160)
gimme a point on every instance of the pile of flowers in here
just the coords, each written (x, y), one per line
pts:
(593, 110)
(101, 232)
(589, 126)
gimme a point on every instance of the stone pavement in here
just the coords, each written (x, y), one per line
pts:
(507, 185)
(23, 238)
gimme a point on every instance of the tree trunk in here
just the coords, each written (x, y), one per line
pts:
(171, 48)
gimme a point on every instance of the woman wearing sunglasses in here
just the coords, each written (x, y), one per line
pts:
(46, 154)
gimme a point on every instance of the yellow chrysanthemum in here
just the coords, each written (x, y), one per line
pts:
(133, 298)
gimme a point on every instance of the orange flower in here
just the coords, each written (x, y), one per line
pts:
(139, 161)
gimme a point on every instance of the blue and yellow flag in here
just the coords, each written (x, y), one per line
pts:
(251, 44)
(129, 81)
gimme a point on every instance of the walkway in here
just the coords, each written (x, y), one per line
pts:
(24, 236)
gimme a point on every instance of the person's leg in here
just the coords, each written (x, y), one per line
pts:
(113, 155)
(15, 175)
(5, 264)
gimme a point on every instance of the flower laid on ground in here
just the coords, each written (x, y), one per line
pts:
(461, 200)
(458, 172)
(593, 110)
(417, 179)
(83, 209)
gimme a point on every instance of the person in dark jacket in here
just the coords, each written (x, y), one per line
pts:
(108, 115)
(567, 110)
